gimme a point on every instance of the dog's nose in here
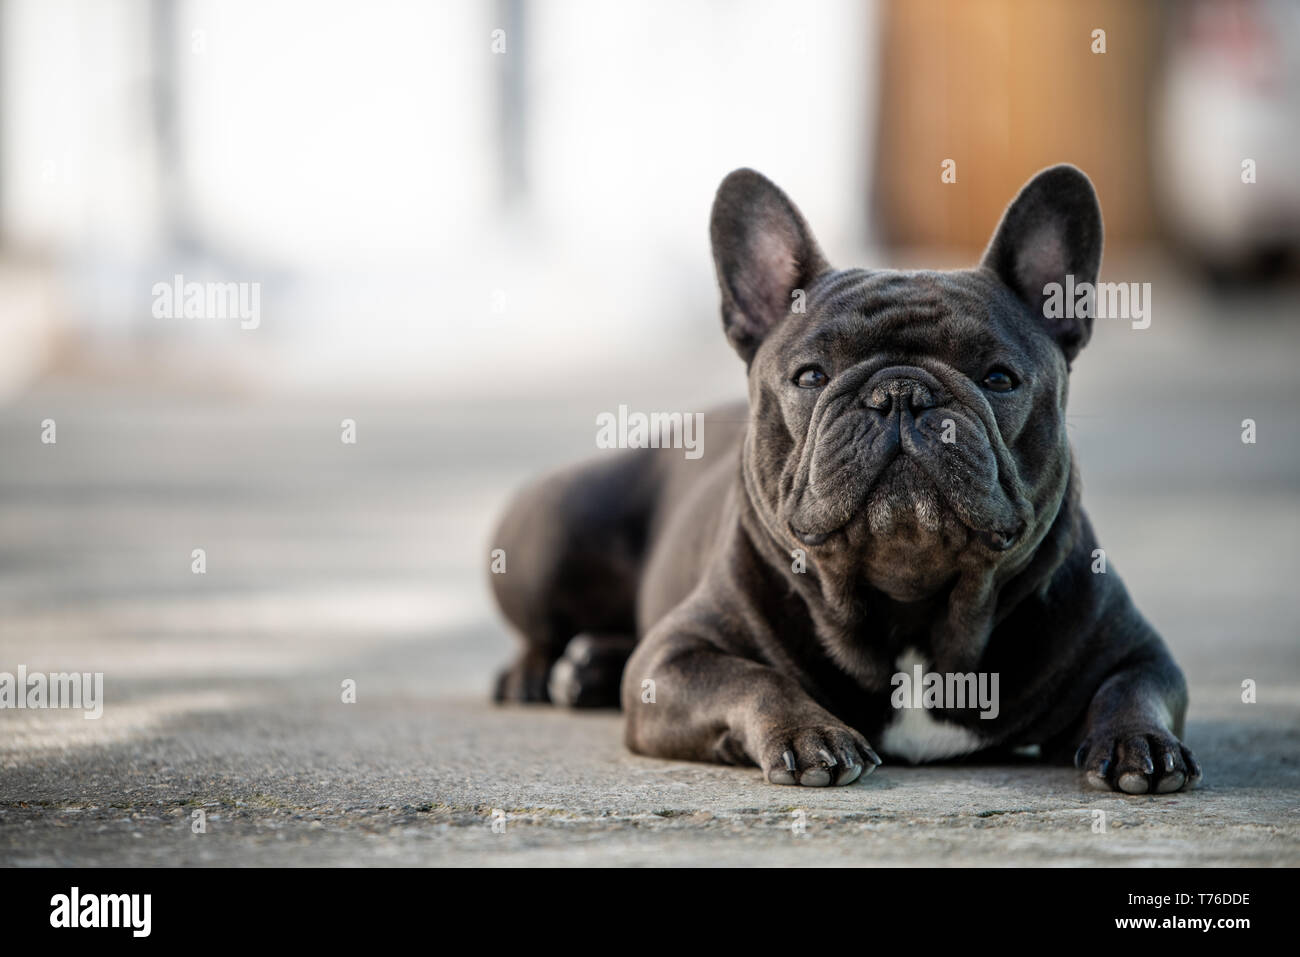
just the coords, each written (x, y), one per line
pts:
(903, 391)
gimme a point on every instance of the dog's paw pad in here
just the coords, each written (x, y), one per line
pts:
(1130, 782)
(563, 683)
(1169, 783)
(817, 757)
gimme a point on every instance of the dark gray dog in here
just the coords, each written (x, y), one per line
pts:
(894, 524)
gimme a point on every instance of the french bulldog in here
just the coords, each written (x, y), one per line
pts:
(892, 520)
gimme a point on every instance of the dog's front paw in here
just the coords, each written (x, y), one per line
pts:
(816, 756)
(1137, 762)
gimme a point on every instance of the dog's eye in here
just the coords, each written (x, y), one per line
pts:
(810, 377)
(999, 380)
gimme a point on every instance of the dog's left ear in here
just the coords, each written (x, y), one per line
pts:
(763, 251)
(1051, 230)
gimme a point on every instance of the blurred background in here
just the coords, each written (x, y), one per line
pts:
(513, 176)
(475, 225)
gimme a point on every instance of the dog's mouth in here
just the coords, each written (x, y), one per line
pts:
(904, 496)
(993, 541)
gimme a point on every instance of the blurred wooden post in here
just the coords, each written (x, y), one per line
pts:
(1004, 88)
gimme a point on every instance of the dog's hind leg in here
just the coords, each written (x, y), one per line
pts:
(574, 548)
(590, 671)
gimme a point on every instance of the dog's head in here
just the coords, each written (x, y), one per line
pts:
(909, 425)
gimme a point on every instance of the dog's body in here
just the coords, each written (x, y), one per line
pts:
(899, 498)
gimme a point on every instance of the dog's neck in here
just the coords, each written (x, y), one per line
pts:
(952, 626)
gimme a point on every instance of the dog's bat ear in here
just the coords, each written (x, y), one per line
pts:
(763, 251)
(1050, 231)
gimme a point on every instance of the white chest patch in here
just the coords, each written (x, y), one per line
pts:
(916, 736)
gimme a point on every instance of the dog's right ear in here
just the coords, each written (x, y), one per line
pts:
(763, 251)
(1050, 231)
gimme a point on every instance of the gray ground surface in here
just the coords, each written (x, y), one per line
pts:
(368, 562)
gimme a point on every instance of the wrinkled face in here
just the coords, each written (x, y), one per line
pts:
(906, 426)
(906, 422)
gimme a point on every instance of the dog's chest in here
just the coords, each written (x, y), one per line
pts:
(915, 735)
